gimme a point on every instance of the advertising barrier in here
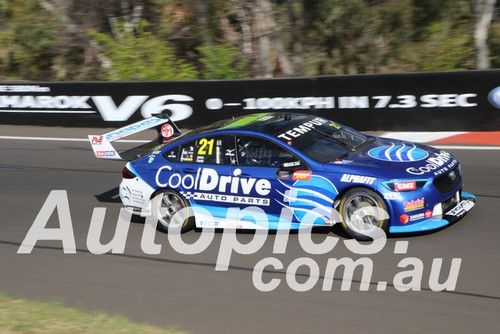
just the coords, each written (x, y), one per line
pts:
(441, 101)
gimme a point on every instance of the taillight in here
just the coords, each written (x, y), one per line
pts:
(127, 174)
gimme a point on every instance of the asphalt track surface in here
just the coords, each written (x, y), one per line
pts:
(185, 290)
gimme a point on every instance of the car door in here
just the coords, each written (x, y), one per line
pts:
(204, 171)
(267, 172)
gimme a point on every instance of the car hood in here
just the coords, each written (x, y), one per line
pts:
(392, 158)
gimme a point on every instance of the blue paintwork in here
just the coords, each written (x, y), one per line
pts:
(385, 160)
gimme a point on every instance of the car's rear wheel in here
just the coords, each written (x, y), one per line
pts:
(168, 208)
(362, 211)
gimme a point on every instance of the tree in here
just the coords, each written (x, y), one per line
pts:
(142, 55)
(357, 36)
(31, 43)
(222, 62)
(484, 14)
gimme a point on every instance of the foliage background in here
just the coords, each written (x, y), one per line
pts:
(48, 40)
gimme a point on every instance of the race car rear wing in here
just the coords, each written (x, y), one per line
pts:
(101, 144)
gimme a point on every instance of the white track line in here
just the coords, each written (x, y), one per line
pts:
(464, 147)
(421, 137)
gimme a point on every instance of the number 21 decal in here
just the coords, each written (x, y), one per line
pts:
(203, 146)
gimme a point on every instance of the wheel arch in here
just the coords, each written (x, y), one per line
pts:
(337, 199)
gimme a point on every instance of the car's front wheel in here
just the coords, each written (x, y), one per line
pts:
(171, 209)
(362, 211)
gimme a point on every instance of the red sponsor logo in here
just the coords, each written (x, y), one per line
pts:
(301, 175)
(104, 153)
(428, 214)
(404, 219)
(405, 186)
(167, 131)
(414, 205)
(96, 140)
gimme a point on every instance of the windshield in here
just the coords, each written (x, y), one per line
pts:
(323, 140)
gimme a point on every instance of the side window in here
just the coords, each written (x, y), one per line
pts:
(171, 155)
(187, 152)
(206, 150)
(254, 151)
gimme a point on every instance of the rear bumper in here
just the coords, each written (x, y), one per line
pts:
(135, 194)
(455, 213)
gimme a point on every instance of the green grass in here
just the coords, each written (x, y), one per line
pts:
(21, 316)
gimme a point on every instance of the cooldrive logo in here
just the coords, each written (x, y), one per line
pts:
(494, 97)
(105, 105)
(207, 179)
(398, 153)
(433, 163)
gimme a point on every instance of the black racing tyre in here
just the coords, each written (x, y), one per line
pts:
(166, 204)
(358, 218)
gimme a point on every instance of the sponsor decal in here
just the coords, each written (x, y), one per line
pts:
(392, 196)
(291, 164)
(138, 197)
(209, 223)
(207, 179)
(461, 208)
(405, 186)
(126, 193)
(301, 175)
(133, 195)
(335, 125)
(96, 140)
(414, 204)
(428, 214)
(167, 131)
(405, 219)
(437, 161)
(303, 128)
(105, 153)
(398, 153)
(133, 128)
(417, 216)
(350, 178)
(151, 158)
(494, 97)
(228, 198)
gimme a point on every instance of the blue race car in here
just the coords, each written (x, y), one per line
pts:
(307, 169)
